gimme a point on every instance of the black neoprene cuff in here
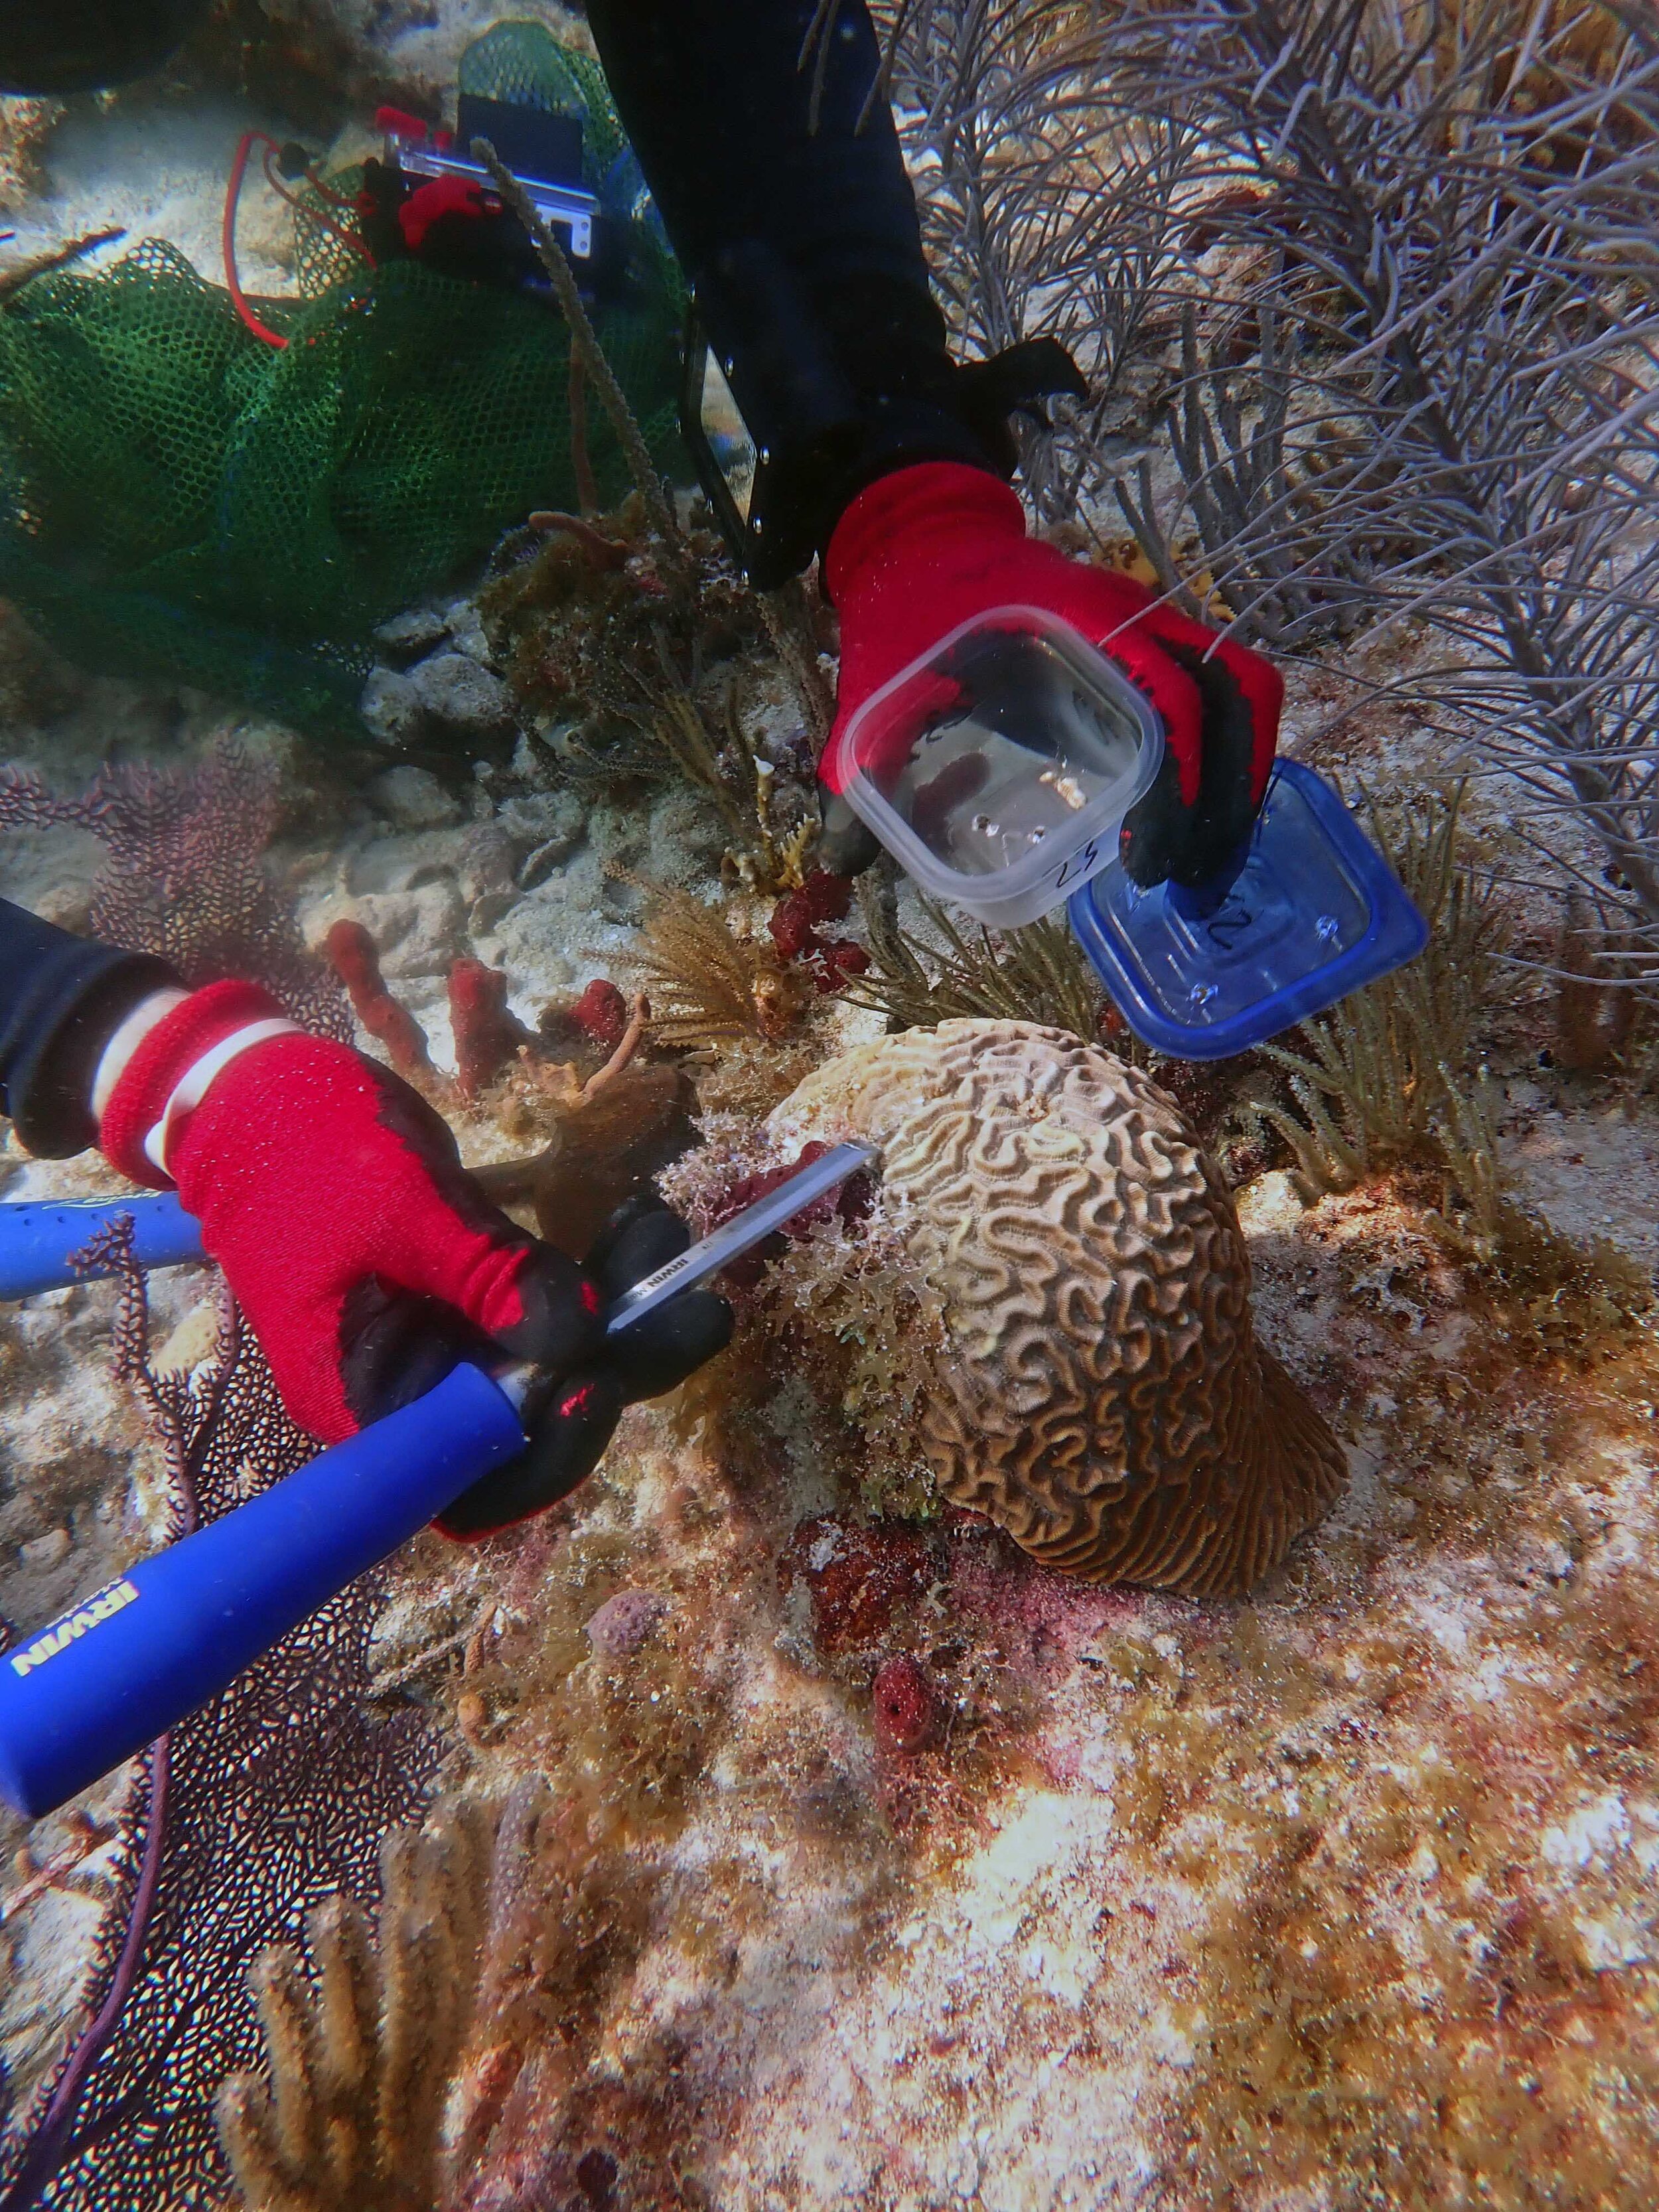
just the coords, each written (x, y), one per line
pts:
(62, 999)
(917, 403)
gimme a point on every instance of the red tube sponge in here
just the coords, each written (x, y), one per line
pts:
(350, 953)
(487, 1036)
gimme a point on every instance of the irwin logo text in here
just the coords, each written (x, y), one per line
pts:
(101, 1606)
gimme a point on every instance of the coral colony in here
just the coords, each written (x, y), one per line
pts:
(1130, 1685)
(1103, 1396)
(183, 877)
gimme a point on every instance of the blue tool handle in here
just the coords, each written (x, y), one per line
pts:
(37, 1237)
(124, 1664)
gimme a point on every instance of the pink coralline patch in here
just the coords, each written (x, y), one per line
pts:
(1041, 1618)
(858, 1574)
(799, 916)
(906, 1711)
(1062, 1760)
(623, 1622)
(350, 953)
(487, 1036)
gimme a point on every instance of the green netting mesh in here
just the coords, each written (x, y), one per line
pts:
(178, 498)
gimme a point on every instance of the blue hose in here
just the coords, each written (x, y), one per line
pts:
(37, 1237)
(122, 1666)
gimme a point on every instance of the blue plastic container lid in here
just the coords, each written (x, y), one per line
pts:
(1315, 913)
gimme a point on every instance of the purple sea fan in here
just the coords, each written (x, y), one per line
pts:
(185, 879)
(269, 1799)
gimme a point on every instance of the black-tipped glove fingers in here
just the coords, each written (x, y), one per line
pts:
(573, 1421)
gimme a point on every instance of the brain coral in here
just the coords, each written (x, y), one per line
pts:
(1104, 1397)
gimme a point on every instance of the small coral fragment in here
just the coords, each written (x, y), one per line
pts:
(623, 1622)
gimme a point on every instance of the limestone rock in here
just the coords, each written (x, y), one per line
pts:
(552, 824)
(45, 1551)
(417, 933)
(457, 692)
(412, 798)
(390, 707)
(1103, 1398)
(412, 632)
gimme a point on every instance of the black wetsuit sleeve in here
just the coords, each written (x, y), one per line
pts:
(719, 107)
(773, 158)
(775, 166)
(62, 997)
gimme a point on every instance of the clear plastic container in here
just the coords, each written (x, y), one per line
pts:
(1313, 913)
(997, 768)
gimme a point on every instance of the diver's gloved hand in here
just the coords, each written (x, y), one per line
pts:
(365, 1259)
(928, 548)
(570, 1420)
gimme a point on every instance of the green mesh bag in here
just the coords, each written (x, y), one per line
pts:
(178, 499)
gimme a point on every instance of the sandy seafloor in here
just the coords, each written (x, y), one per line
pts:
(1344, 1895)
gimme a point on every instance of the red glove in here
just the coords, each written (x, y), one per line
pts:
(929, 547)
(365, 1259)
(435, 201)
